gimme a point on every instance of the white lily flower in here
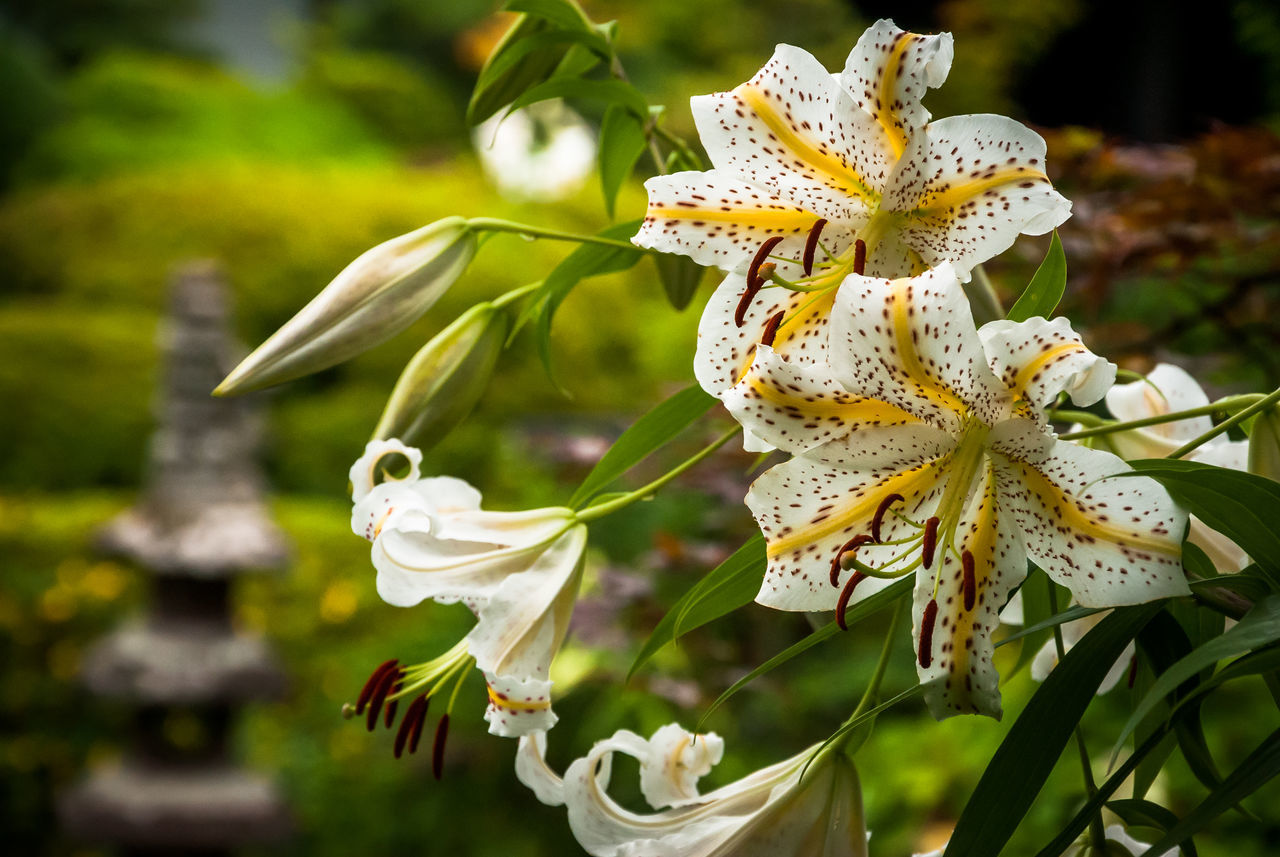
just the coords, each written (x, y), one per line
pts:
(517, 571)
(773, 812)
(543, 152)
(1073, 632)
(807, 164)
(923, 448)
(1169, 388)
(1116, 835)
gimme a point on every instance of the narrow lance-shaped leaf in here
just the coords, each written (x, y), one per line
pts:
(647, 435)
(1028, 753)
(1145, 813)
(1241, 506)
(1259, 628)
(562, 13)
(607, 91)
(1045, 290)
(730, 585)
(498, 87)
(1257, 769)
(622, 141)
(856, 613)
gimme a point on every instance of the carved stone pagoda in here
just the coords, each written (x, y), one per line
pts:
(183, 667)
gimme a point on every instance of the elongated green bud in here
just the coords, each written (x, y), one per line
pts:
(445, 379)
(378, 295)
(1264, 444)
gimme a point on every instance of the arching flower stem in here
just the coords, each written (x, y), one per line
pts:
(493, 224)
(608, 507)
(1230, 405)
(1257, 407)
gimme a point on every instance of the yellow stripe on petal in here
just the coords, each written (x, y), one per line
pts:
(769, 218)
(1029, 372)
(853, 409)
(1089, 523)
(937, 201)
(839, 173)
(886, 114)
(502, 701)
(909, 483)
(904, 332)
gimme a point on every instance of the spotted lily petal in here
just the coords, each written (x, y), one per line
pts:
(1037, 359)
(1110, 541)
(673, 763)
(953, 654)
(770, 813)
(809, 508)
(912, 343)
(795, 130)
(888, 72)
(1167, 388)
(796, 407)
(968, 185)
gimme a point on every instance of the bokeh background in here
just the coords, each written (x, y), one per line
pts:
(283, 138)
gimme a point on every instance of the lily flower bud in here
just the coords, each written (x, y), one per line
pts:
(1264, 444)
(445, 379)
(378, 295)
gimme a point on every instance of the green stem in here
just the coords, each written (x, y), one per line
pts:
(1096, 831)
(514, 295)
(492, 224)
(591, 513)
(1248, 402)
(1256, 408)
(872, 692)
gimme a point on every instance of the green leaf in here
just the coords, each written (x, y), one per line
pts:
(1068, 615)
(648, 434)
(724, 589)
(554, 43)
(680, 278)
(1196, 562)
(562, 13)
(527, 55)
(608, 91)
(1035, 609)
(1260, 627)
(1144, 813)
(1024, 759)
(622, 141)
(588, 260)
(1243, 507)
(856, 613)
(1257, 769)
(1046, 287)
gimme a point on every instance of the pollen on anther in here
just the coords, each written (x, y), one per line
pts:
(811, 244)
(845, 594)
(754, 279)
(930, 541)
(881, 510)
(771, 328)
(437, 751)
(859, 256)
(925, 653)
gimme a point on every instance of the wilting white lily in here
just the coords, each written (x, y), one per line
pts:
(517, 571)
(923, 448)
(774, 812)
(823, 174)
(1169, 388)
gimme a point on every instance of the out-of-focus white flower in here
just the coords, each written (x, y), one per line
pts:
(517, 571)
(773, 812)
(543, 152)
(1117, 836)
(1072, 632)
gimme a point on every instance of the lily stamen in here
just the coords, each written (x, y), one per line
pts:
(851, 547)
(811, 244)
(437, 750)
(754, 280)
(845, 594)
(930, 541)
(925, 652)
(376, 676)
(411, 725)
(859, 256)
(380, 691)
(880, 513)
(771, 328)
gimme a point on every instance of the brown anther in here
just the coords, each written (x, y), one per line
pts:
(930, 541)
(389, 678)
(421, 721)
(367, 691)
(437, 751)
(412, 720)
(390, 716)
(851, 548)
(969, 582)
(744, 304)
(880, 513)
(845, 594)
(754, 280)
(925, 653)
(811, 244)
(771, 328)
(859, 256)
